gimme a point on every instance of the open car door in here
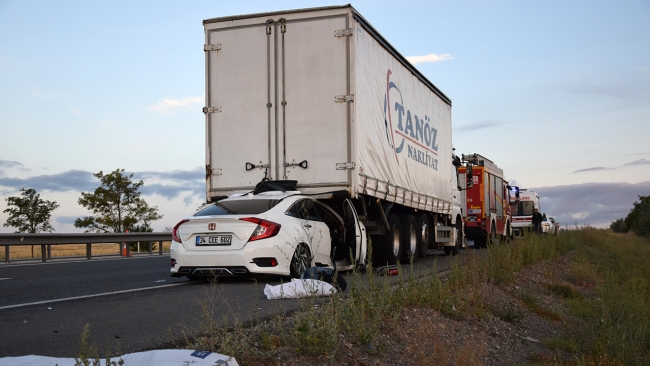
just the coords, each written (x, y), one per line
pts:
(355, 233)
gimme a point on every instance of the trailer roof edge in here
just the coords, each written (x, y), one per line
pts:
(364, 23)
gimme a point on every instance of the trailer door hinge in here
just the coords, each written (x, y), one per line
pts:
(343, 32)
(344, 166)
(212, 47)
(268, 26)
(207, 110)
(344, 98)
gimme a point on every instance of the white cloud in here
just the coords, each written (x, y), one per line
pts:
(580, 215)
(74, 111)
(432, 57)
(167, 106)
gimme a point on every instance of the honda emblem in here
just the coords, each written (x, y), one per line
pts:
(212, 226)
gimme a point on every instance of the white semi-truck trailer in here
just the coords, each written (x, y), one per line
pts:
(318, 96)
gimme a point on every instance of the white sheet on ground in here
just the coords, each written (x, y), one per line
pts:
(299, 288)
(162, 357)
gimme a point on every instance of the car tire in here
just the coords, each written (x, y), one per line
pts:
(300, 261)
(409, 240)
(423, 233)
(389, 246)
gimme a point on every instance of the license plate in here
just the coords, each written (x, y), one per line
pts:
(214, 240)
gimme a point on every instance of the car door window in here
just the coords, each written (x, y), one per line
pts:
(304, 209)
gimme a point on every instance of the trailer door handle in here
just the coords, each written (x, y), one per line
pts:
(306, 225)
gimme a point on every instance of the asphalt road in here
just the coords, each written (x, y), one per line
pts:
(131, 304)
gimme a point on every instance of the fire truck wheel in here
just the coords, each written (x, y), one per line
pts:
(388, 246)
(493, 235)
(459, 237)
(409, 240)
(422, 232)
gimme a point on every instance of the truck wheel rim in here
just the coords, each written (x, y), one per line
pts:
(395, 241)
(413, 242)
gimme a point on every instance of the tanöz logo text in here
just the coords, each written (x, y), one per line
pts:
(404, 126)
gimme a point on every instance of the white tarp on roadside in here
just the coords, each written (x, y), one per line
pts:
(163, 357)
(299, 288)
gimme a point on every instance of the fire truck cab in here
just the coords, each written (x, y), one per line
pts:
(486, 204)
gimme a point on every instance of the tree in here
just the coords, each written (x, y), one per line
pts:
(619, 226)
(116, 204)
(143, 228)
(638, 220)
(640, 217)
(29, 213)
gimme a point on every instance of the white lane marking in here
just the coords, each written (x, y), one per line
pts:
(95, 295)
(4, 279)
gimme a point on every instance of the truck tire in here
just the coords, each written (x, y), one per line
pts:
(423, 233)
(388, 246)
(480, 242)
(409, 239)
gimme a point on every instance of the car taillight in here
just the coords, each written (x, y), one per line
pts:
(265, 229)
(175, 230)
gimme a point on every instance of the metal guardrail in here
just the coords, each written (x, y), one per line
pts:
(47, 240)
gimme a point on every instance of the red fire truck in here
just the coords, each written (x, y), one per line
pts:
(486, 211)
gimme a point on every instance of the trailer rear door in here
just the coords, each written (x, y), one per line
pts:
(314, 86)
(240, 120)
(278, 101)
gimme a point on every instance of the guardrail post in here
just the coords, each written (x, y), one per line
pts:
(149, 247)
(43, 253)
(160, 249)
(89, 250)
(6, 254)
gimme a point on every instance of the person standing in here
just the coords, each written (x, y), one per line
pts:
(537, 222)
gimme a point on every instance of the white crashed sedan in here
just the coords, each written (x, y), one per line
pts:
(273, 233)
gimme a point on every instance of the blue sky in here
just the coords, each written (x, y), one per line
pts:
(556, 93)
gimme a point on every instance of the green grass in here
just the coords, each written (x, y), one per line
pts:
(373, 308)
(606, 300)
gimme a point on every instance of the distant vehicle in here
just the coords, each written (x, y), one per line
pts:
(550, 226)
(522, 212)
(486, 205)
(267, 232)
